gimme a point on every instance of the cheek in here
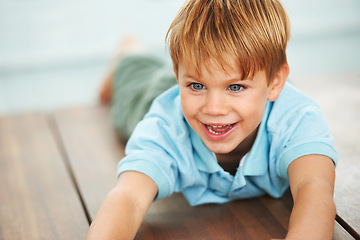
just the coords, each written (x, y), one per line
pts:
(252, 110)
(258, 114)
(258, 110)
(186, 106)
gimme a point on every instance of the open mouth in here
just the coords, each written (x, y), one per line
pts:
(219, 129)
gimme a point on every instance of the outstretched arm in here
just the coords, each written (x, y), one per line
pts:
(123, 210)
(312, 181)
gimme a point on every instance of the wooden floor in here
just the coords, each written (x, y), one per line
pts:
(56, 169)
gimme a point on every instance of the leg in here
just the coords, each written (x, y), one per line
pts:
(130, 45)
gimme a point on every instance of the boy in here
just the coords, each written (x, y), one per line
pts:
(231, 128)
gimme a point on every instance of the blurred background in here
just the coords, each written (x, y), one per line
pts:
(55, 54)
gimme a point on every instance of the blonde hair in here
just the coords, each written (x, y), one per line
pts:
(253, 32)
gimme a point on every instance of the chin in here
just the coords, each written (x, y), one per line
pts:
(220, 149)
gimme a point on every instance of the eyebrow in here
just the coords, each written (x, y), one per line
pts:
(227, 81)
(190, 76)
(236, 79)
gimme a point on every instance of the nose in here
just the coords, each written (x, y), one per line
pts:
(216, 104)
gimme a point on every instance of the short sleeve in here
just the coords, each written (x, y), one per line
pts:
(305, 132)
(148, 152)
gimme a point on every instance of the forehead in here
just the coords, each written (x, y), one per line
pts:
(210, 66)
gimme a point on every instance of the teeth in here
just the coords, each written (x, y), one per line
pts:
(210, 128)
(217, 133)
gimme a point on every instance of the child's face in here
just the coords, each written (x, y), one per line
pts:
(221, 108)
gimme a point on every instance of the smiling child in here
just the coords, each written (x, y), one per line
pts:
(226, 125)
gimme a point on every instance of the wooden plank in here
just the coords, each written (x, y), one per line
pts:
(174, 218)
(347, 193)
(259, 218)
(339, 98)
(38, 199)
(92, 149)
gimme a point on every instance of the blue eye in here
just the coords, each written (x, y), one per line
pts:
(197, 86)
(235, 87)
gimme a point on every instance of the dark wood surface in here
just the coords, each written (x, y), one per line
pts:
(92, 150)
(37, 196)
(56, 169)
(173, 218)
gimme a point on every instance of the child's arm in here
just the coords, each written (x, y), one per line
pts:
(123, 210)
(312, 180)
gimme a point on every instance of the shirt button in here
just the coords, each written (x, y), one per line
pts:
(221, 176)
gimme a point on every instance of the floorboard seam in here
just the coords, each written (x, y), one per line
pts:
(61, 146)
(347, 227)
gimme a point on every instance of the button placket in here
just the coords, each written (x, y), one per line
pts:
(220, 182)
(238, 183)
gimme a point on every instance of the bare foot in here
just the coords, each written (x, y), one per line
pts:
(129, 45)
(105, 95)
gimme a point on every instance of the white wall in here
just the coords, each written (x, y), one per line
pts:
(55, 53)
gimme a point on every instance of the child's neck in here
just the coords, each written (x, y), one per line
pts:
(230, 161)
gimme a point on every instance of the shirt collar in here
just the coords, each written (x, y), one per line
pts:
(256, 161)
(204, 158)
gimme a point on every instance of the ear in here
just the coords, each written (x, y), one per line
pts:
(278, 82)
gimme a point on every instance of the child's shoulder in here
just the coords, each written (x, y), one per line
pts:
(291, 96)
(166, 102)
(293, 108)
(297, 127)
(166, 108)
(293, 100)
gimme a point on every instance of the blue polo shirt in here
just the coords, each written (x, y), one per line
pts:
(164, 147)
